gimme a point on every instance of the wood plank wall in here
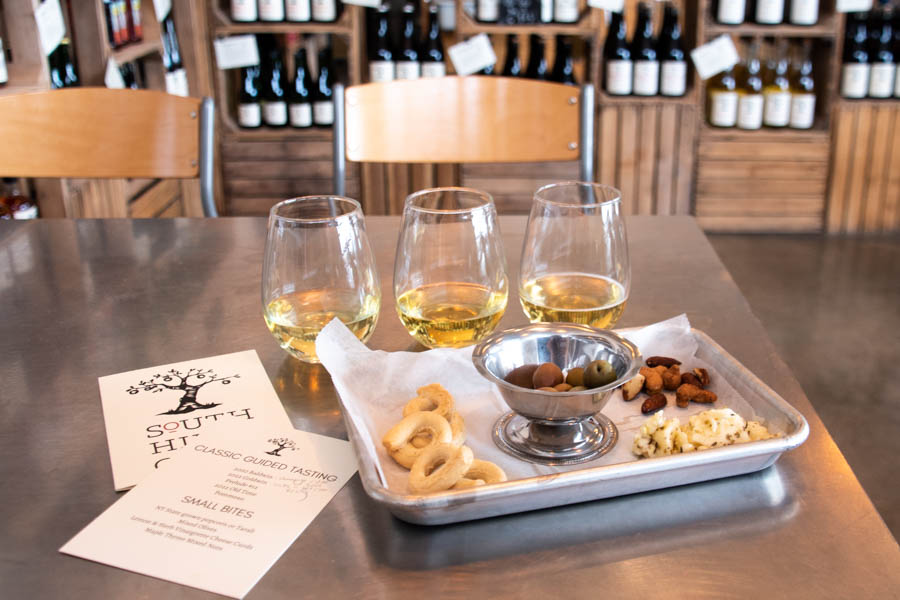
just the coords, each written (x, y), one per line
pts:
(864, 184)
(386, 186)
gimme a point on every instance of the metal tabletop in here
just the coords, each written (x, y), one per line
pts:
(82, 299)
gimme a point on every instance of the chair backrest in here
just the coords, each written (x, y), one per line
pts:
(103, 133)
(464, 120)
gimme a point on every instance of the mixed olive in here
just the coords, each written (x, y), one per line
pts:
(548, 377)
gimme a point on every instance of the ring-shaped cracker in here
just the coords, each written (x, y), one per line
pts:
(431, 398)
(457, 428)
(397, 439)
(486, 471)
(439, 467)
(465, 483)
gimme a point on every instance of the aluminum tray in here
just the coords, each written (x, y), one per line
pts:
(607, 481)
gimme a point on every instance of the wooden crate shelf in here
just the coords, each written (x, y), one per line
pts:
(826, 28)
(222, 25)
(586, 26)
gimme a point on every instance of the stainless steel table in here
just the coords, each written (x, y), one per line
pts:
(83, 299)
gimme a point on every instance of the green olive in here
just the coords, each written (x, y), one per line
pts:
(575, 376)
(599, 373)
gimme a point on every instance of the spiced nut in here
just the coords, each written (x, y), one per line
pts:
(653, 403)
(672, 377)
(665, 361)
(702, 375)
(632, 387)
(652, 380)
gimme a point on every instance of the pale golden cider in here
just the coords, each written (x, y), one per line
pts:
(451, 314)
(573, 298)
(296, 319)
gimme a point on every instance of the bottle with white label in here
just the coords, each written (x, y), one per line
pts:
(643, 50)
(617, 59)
(381, 54)
(855, 64)
(750, 91)
(673, 63)
(881, 54)
(565, 11)
(274, 93)
(271, 10)
(731, 12)
(176, 76)
(300, 93)
(487, 11)
(722, 101)
(804, 12)
(325, 11)
(298, 11)
(546, 11)
(249, 110)
(777, 88)
(769, 12)
(803, 89)
(408, 65)
(243, 11)
(323, 99)
(4, 74)
(433, 49)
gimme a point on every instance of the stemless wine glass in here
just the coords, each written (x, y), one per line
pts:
(575, 265)
(450, 270)
(318, 265)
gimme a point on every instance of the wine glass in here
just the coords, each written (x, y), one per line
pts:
(575, 266)
(318, 265)
(450, 270)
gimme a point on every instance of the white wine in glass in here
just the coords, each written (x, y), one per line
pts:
(575, 266)
(450, 272)
(318, 266)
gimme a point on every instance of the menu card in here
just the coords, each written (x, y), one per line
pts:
(222, 513)
(152, 413)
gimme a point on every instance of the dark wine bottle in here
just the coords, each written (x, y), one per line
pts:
(881, 54)
(537, 62)
(249, 109)
(300, 96)
(408, 65)
(673, 63)
(563, 64)
(617, 58)
(855, 68)
(512, 66)
(274, 95)
(323, 100)
(176, 76)
(67, 64)
(643, 50)
(433, 49)
(381, 55)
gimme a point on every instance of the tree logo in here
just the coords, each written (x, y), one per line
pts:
(281, 444)
(188, 384)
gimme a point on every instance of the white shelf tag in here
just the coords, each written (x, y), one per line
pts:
(610, 5)
(113, 78)
(715, 56)
(847, 6)
(236, 51)
(162, 9)
(51, 25)
(472, 55)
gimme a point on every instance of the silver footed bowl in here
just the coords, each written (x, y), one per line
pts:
(566, 345)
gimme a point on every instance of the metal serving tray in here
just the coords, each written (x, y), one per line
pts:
(607, 481)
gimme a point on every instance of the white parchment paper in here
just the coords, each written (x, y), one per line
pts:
(374, 385)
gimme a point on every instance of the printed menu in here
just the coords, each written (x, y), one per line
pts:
(220, 514)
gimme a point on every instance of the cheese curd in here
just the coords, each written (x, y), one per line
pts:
(659, 436)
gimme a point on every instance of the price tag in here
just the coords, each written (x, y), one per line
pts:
(50, 24)
(236, 51)
(472, 55)
(162, 9)
(369, 3)
(853, 6)
(715, 56)
(113, 78)
(610, 5)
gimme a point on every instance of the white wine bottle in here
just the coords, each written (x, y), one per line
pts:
(381, 54)
(643, 50)
(731, 12)
(432, 48)
(803, 90)
(249, 111)
(408, 65)
(855, 67)
(750, 90)
(777, 88)
(619, 68)
(722, 100)
(673, 66)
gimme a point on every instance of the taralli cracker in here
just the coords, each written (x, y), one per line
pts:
(397, 440)
(432, 398)
(439, 467)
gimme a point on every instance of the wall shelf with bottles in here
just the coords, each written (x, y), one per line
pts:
(826, 27)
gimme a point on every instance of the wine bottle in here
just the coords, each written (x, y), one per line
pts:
(433, 49)
(249, 108)
(673, 63)
(731, 12)
(546, 11)
(129, 76)
(136, 26)
(804, 12)
(855, 65)
(750, 91)
(271, 10)
(243, 11)
(881, 55)
(565, 11)
(67, 65)
(617, 57)
(488, 11)
(300, 96)
(408, 65)
(722, 103)
(769, 12)
(4, 74)
(512, 66)
(176, 76)
(121, 15)
(20, 206)
(537, 62)
(323, 100)
(777, 89)
(274, 95)
(643, 51)
(325, 11)
(803, 89)
(57, 72)
(381, 59)
(298, 11)
(563, 64)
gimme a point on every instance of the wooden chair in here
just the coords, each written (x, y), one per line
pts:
(463, 120)
(103, 133)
